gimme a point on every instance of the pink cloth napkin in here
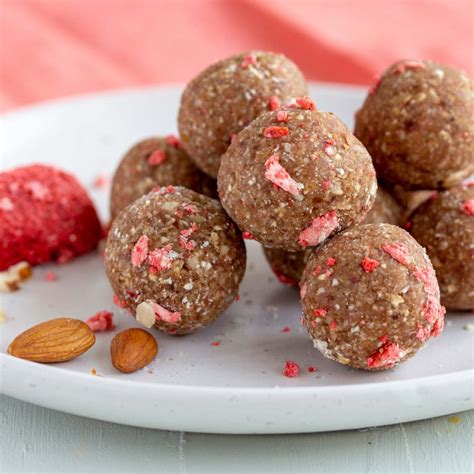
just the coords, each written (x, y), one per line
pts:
(56, 48)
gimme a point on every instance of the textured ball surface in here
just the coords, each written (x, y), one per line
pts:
(156, 162)
(378, 303)
(444, 225)
(296, 176)
(417, 124)
(227, 96)
(173, 256)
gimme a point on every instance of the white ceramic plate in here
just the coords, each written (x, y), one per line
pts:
(238, 386)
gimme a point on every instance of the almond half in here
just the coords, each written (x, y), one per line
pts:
(56, 340)
(132, 349)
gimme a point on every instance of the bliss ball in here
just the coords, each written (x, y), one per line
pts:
(46, 216)
(227, 96)
(385, 210)
(296, 176)
(156, 162)
(444, 225)
(174, 260)
(287, 266)
(417, 124)
(378, 303)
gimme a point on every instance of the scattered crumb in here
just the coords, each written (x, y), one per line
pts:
(291, 369)
(469, 327)
(101, 321)
(93, 371)
(312, 368)
(101, 181)
(2, 316)
(286, 329)
(50, 276)
(454, 419)
(215, 343)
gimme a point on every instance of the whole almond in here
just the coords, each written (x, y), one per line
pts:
(132, 349)
(57, 340)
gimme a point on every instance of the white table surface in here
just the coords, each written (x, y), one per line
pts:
(35, 439)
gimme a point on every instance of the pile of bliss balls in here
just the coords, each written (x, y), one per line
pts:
(296, 180)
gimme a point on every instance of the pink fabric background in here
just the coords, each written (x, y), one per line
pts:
(53, 48)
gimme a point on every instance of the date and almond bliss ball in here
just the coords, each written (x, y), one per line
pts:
(175, 260)
(296, 176)
(45, 216)
(227, 96)
(156, 162)
(288, 266)
(418, 125)
(444, 225)
(377, 303)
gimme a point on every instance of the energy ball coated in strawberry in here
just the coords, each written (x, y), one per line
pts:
(227, 96)
(444, 225)
(156, 162)
(45, 216)
(296, 182)
(417, 124)
(174, 259)
(378, 304)
(288, 267)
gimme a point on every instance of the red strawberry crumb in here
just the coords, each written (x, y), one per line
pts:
(332, 325)
(279, 176)
(173, 141)
(186, 210)
(101, 181)
(422, 333)
(248, 60)
(184, 235)
(329, 148)
(320, 229)
(119, 302)
(305, 103)
(385, 356)
(303, 290)
(286, 329)
(164, 314)
(384, 339)
(160, 259)
(50, 276)
(320, 312)
(331, 261)
(282, 116)
(215, 343)
(326, 184)
(369, 264)
(285, 279)
(408, 225)
(291, 369)
(316, 271)
(140, 251)
(312, 368)
(467, 207)
(101, 321)
(237, 297)
(275, 132)
(274, 102)
(398, 252)
(157, 157)
(247, 235)
(233, 137)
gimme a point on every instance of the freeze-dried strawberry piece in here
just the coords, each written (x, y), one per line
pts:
(285, 279)
(164, 314)
(101, 321)
(157, 157)
(140, 251)
(247, 235)
(398, 252)
(280, 177)
(274, 102)
(160, 259)
(385, 356)
(249, 60)
(320, 312)
(291, 369)
(305, 103)
(184, 235)
(275, 132)
(467, 207)
(369, 264)
(406, 65)
(320, 229)
(173, 141)
(282, 116)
